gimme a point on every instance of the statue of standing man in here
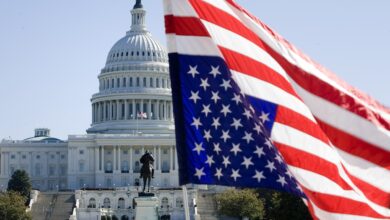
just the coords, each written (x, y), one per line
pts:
(147, 170)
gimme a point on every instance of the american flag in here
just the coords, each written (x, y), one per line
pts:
(253, 111)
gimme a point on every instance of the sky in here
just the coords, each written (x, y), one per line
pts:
(51, 52)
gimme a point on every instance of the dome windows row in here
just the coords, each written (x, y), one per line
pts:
(133, 67)
(124, 82)
(125, 55)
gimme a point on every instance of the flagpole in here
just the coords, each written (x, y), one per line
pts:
(186, 205)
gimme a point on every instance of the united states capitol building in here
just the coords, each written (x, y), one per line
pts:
(131, 113)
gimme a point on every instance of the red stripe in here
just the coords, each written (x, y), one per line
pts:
(337, 204)
(185, 26)
(373, 193)
(311, 163)
(248, 66)
(304, 79)
(293, 119)
(355, 146)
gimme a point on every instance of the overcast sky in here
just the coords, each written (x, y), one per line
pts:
(51, 52)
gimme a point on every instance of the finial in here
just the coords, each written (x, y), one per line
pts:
(138, 4)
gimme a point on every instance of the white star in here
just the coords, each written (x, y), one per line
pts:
(235, 174)
(288, 173)
(218, 173)
(226, 161)
(195, 96)
(207, 135)
(215, 71)
(216, 123)
(193, 71)
(252, 109)
(225, 109)
(217, 149)
(209, 160)
(236, 123)
(247, 113)
(264, 117)
(268, 143)
(279, 158)
(199, 173)
(215, 97)
(196, 122)
(225, 135)
(281, 180)
(247, 162)
(248, 137)
(226, 84)
(204, 84)
(259, 176)
(235, 149)
(257, 128)
(270, 166)
(198, 148)
(206, 110)
(237, 99)
(259, 151)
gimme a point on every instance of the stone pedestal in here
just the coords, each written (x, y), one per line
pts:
(146, 208)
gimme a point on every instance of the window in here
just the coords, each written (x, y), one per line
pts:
(164, 202)
(144, 82)
(157, 83)
(112, 83)
(52, 170)
(118, 82)
(125, 166)
(131, 82)
(125, 152)
(52, 156)
(143, 53)
(121, 203)
(92, 203)
(137, 151)
(163, 83)
(124, 82)
(132, 53)
(151, 82)
(137, 81)
(108, 167)
(23, 156)
(62, 170)
(122, 54)
(38, 156)
(81, 166)
(165, 151)
(12, 156)
(106, 203)
(62, 156)
(81, 152)
(179, 202)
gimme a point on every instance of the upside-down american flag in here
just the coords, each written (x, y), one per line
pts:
(253, 111)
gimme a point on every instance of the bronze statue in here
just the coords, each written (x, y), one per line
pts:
(147, 170)
(138, 4)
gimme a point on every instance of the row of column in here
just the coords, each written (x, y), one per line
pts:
(142, 109)
(123, 82)
(117, 160)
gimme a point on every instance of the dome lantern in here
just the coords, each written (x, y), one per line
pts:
(138, 17)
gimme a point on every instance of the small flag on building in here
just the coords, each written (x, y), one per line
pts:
(253, 111)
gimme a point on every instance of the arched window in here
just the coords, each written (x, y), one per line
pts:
(125, 166)
(106, 203)
(164, 202)
(118, 82)
(121, 203)
(151, 82)
(157, 83)
(137, 82)
(112, 83)
(131, 81)
(179, 202)
(124, 82)
(92, 203)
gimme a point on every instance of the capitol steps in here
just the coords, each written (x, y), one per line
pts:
(53, 206)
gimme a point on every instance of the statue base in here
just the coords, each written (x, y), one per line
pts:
(146, 207)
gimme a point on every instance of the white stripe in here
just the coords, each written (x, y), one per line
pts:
(221, 4)
(317, 183)
(179, 8)
(321, 214)
(296, 59)
(373, 174)
(232, 41)
(344, 120)
(294, 138)
(267, 91)
(190, 45)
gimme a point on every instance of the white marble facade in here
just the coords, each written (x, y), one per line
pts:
(131, 113)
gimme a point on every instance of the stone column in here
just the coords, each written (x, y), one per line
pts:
(114, 167)
(134, 113)
(141, 107)
(131, 159)
(159, 157)
(119, 159)
(118, 108)
(126, 109)
(103, 159)
(170, 158)
(149, 109)
(96, 158)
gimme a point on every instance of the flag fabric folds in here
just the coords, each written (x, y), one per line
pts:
(253, 111)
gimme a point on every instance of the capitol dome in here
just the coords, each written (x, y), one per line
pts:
(134, 86)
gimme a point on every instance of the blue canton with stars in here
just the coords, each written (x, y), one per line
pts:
(223, 135)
